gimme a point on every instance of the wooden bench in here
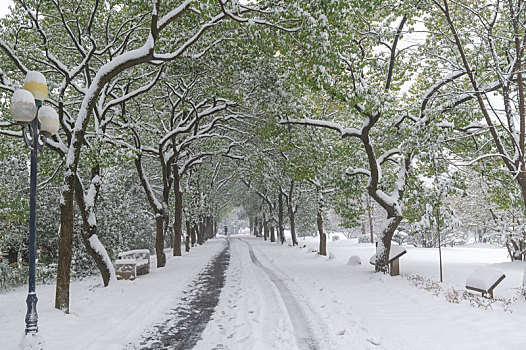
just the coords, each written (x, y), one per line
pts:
(394, 263)
(484, 280)
(132, 263)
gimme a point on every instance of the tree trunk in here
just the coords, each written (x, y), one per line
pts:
(265, 229)
(205, 229)
(161, 212)
(178, 213)
(188, 234)
(439, 243)
(89, 227)
(159, 240)
(260, 229)
(292, 213)
(200, 229)
(281, 229)
(65, 240)
(251, 225)
(292, 218)
(384, 245)
(194, 234)
(168, 236)
(272, 234)
(323, 236)
(256, 227)
(370, 215)
(209, 227)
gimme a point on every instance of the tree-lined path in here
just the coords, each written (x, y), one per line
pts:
(294, 122)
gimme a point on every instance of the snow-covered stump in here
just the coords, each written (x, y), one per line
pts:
(484, 280)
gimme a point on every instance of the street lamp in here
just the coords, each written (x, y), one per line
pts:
(26, 105)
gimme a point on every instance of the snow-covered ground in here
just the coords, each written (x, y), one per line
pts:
(395, 313)
(104, 318)
(282, 297)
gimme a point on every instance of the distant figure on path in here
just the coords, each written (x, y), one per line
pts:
(226, 230)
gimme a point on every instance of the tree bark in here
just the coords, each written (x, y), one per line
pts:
(293, 228)
(89, 229)
(281, 229)
(188, 234)
(64, 250)
(384, 245)
(272, 234)
(256, 226)
(292, 214)
(265, 228)
(194, 234)
(161, 215)
(178, 214)
(200, 230)
(159, 240)
(216, 228)
(209, 227)
(370, 215)
(323, 236)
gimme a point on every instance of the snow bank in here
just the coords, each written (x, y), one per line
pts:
(395, 314)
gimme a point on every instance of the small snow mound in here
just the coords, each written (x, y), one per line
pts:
(332, 256)
(354, 261)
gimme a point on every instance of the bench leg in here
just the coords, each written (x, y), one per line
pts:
(395, 267)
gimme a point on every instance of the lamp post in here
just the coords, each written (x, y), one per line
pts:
(26, 105)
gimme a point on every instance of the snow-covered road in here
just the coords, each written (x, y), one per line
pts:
(261, 307)
(244, 293)
(184, 324)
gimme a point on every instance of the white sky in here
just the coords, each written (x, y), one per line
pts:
(4, 4)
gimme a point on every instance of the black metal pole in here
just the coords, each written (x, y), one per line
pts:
(31, 301)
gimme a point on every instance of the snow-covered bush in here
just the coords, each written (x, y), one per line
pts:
(15, 275)
(354, 260)
(364, 239)
(400, 237)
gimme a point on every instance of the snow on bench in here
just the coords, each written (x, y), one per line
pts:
(132, 263)
(394, 255)
(484, 280)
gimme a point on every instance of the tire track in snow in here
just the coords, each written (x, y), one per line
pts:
(183, 329)
(302, 328)
(250, 314)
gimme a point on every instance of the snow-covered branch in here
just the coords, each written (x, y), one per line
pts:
(344, 132)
